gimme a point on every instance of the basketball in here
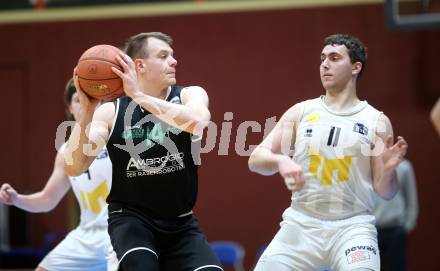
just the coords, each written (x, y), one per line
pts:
(95, 75)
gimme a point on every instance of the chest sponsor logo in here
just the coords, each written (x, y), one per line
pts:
(133, 132)
(361, 129)
(153, 166)
(155, 134)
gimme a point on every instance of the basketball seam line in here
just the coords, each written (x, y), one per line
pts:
(98, 58)
(100, 79)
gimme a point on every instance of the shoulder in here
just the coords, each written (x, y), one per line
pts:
(192, 93)
(108, 106)
(105, 112)
(374, 113)
(193, 90)
(295, 112)
(384, 118)
(383, 126)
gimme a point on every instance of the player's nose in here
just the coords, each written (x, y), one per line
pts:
(173, 61)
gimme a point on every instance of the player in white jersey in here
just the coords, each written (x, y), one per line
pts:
(435, 115)
(88, 246)
(343, 155)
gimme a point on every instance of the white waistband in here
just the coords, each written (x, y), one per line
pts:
(302, 218)
(185, 214)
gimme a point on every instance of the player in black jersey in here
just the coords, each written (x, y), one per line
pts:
(152, 135)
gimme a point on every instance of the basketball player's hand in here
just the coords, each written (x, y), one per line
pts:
(8, 195)
(393, 154)
(128, 75)
(87, 103)
(292, 174)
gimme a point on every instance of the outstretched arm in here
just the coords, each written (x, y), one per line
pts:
(384, 162)
(45, 200)
(191, 116)
(272, 155)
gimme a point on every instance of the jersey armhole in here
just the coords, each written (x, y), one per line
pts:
(373, 133)
(300, 115)
(115, 117)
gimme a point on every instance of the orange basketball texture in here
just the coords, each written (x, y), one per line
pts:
(95, 75)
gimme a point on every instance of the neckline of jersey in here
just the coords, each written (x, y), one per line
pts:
(351, 111)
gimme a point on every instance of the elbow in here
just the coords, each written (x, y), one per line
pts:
(203, 119)
(259, 163)
(386, 195)
(47, 204)
(252, 163)
(199, 125)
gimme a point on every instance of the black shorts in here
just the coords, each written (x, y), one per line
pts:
(176, 243)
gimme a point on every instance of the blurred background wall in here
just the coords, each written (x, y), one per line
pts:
(255, 64)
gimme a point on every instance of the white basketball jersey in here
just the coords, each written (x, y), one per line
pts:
(91, 190)
(333, 150)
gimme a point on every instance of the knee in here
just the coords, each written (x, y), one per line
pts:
(209, 268)
(139, 260)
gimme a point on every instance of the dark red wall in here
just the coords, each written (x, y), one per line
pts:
(254, 64)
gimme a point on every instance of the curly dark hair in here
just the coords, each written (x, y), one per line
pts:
(356, 49)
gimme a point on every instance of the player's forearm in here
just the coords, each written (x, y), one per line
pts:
(75, 159)
(263, 161)
(177, 115)
(385, 183)
(35, 203)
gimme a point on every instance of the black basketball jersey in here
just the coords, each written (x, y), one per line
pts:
(153, 165)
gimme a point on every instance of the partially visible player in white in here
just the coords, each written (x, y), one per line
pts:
(342, 156)
(88, 246)
(435, 116)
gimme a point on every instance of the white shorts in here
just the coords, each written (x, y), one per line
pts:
(309, 244)
(82, 249)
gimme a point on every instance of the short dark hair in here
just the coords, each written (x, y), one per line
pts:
(69, 90)
(134, 47)
(356, 49)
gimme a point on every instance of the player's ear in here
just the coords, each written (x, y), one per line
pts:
(139, 64)
(357, 67)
